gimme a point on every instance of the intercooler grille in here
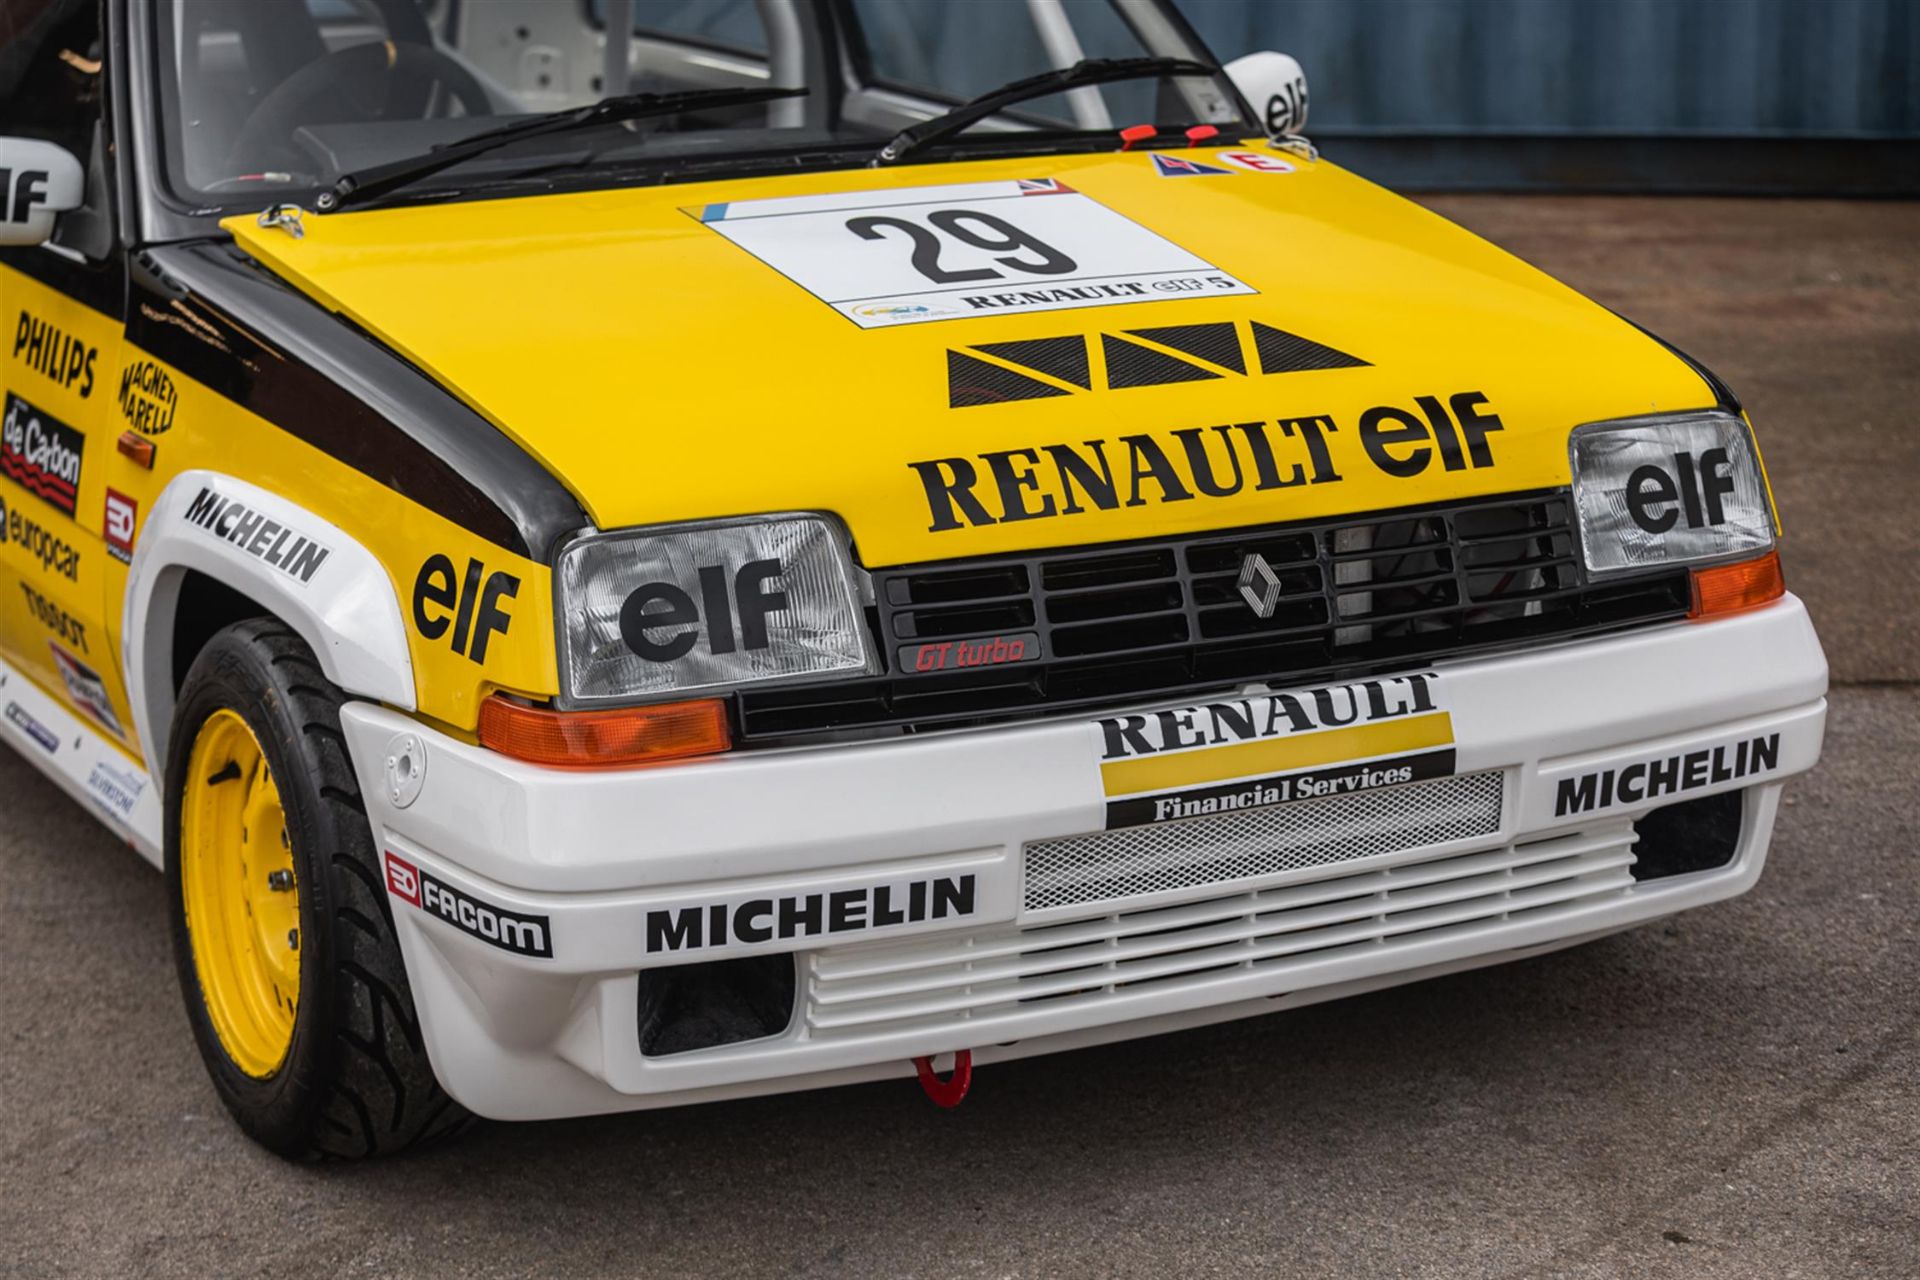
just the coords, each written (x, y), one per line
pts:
(1253, 843)
(884, 987)
(1104, 625)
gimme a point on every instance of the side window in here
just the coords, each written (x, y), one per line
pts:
(52, 87)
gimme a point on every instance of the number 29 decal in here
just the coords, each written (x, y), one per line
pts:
(916, 254)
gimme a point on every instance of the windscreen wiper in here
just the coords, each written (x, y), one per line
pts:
(1084, 72)
(377, 180)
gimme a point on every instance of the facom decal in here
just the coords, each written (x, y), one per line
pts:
(86, 690)
(471, 607)
(773, 919)
(1625, 786)
(20, 718)
(41, 454)
(732, 614)
(115, 789)
(117, 525)
(518, 932)
(980, 651)
(148, 397)
(1255, 161)
(885, 258)
(1243, 753)
(1065, 478)
(55, 554)
(263, 538)
(54, 354)
(1036, 368)
(1175, 167)
(70, 629)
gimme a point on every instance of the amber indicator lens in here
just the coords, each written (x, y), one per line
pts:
(1730, 588)
(604, 739)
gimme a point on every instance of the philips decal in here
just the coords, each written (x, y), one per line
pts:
(58, 356)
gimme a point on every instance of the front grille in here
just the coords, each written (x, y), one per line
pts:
(1250, 843)
(925, 984)
(1125, 622)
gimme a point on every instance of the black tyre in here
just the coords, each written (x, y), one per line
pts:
(282, 932)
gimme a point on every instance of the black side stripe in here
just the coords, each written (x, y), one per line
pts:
(101, 286)
(228, 323)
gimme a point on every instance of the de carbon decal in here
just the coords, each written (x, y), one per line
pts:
(917, 254)
(1037, 368)
(85, 689)
(57, 355)
(41, 454)
(520, 933)
(765, 921)
(56, 555)
(1068, 477)
(1244, 753)
(22, 719)
(265, 539)
(472, 606)
(1645, 780)
(148, 397)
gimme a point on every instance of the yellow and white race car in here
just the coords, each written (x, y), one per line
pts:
(623, 553)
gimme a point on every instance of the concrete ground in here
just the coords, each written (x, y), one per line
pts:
(1731, 1093)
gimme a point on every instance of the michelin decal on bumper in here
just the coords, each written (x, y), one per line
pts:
(1246, 753)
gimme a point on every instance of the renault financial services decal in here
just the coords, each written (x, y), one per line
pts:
(1303, 744)
(883, 258)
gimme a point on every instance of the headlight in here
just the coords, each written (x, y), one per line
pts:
(671, 611)
(1668, 490)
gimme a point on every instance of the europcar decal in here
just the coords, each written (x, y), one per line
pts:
(55, 554)
(1246, 753)
(885, 258)
(1035, 368)
(1065, 478)
(41, 454)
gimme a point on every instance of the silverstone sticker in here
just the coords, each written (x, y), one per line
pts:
(885, 258)
(1247, 753)
(20, 718)
(41, 454)
(85, 689)
(1643, 781)
(518, 932)
(265, 539)
(115, 789)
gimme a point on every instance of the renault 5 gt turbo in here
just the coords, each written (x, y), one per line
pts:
(629, 553)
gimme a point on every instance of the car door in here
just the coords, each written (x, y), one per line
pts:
(62, 308)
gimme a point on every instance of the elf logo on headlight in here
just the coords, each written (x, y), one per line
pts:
(1697, 488)
(661, 621)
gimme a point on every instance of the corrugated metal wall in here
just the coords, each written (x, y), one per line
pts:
(1492, 82)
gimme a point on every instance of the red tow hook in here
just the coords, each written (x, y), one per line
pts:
(949, 1093)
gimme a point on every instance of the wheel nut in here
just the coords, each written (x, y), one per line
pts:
(280, 881)
(293, 939)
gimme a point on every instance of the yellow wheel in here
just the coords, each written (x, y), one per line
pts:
(241, 894)
(284, 941)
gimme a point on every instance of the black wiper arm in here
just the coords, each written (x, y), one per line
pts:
(1084, 72)
(377, 180)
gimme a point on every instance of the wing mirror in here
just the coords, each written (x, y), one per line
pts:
(38, 182)
(1277, 88)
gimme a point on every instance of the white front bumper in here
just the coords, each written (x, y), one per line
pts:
(519, 1035)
